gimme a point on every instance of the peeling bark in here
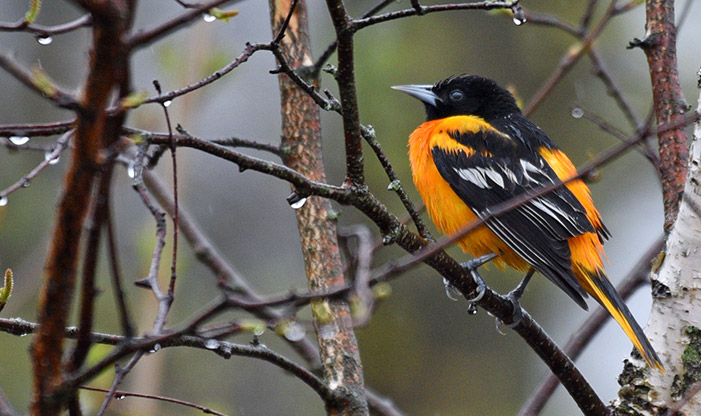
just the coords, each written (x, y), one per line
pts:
(675, 320)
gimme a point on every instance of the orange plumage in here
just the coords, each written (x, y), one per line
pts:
(477, 150)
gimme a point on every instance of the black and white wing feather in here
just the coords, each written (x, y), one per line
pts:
(538, 230)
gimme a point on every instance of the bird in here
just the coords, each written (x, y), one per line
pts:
(477, 150)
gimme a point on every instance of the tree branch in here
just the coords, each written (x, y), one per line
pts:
(660, 49)
(358, 24)
(301, 135)
(46, 31)
(143, 38)
(38, 82)
(91, 127)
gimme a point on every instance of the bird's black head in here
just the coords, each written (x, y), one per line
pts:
(463, 95)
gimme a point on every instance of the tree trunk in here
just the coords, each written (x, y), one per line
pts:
(301, 139)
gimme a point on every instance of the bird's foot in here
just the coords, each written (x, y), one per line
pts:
(472, 266)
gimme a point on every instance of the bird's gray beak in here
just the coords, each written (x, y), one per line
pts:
(422, 92)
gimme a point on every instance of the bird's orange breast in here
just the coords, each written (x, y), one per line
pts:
(447, 211)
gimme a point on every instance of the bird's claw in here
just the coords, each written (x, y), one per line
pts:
(472, 266)
(478, 262)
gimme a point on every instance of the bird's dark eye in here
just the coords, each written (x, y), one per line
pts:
(456, 95)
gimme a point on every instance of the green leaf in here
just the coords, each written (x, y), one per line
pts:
(134, 99)
(33, 11)
(6, 291)
(223, 15)
(256, 326)
(42, 81)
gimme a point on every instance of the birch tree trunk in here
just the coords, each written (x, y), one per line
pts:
(675, 319)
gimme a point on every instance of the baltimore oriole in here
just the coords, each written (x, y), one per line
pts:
(476, 150)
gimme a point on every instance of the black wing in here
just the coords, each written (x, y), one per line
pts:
(538, 230)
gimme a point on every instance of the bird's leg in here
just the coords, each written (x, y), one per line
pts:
(515, 296)
(471, 266)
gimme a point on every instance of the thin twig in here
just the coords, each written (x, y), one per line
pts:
(284, 67)
(119, 374)
(38, 82)
(50, 158)
(46, 31)
(588, 14)
(358, 24)
(249, 50)
(151, 281)
(570, 58)
(285, 23)
(120, 298)
(244, 162)
(684, 14)
(332, 47)
(609, 128)
(395, 184)
(173, 158)
(122, 394)
(544, 19)
(613, 90)
(36, 129)
(144, 38)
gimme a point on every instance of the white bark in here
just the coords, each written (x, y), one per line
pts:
(677, 307)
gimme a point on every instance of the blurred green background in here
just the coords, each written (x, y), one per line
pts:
(420, 349)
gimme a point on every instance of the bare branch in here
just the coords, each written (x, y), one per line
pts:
(249, 50)
(38, 129)
(46, 31)
(571, 58)
(358, 24)
(659, 46)
(345, 78)
(122, 394)
(395, 185)
(244, 162)
(92, 134)
(332, 47)
(143, 38)
(38, 82)
(123, 313)
(49, 159)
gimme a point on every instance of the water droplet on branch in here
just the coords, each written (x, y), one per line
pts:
(3, 201)
(212, 344)
(295, 332)
(208, 18)
(519, 16)
(45, 40)
(131, 171)
(19, 140)
(49, 154)
(577, 112)
(296, 201)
